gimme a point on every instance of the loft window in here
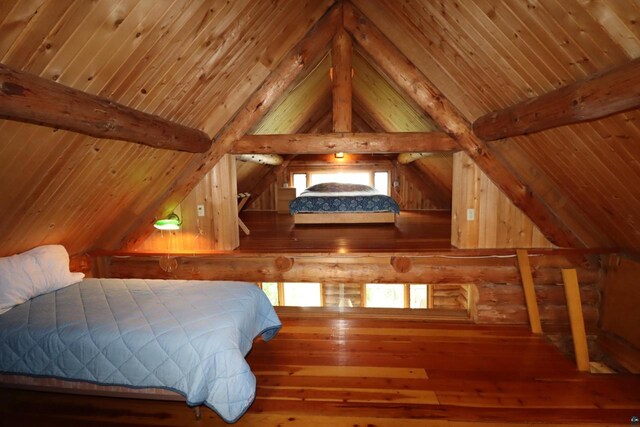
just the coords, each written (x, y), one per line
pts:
(293, 294)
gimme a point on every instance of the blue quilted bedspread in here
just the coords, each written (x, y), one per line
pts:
(186, 336)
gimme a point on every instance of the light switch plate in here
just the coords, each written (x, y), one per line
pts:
(471, 214)
(200, 210)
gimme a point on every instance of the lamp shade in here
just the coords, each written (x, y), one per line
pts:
(171, 222)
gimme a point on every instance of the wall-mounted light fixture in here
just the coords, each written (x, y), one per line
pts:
(339, 155)
(171, 222)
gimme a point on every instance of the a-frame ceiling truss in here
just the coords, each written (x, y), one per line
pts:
(605, 88)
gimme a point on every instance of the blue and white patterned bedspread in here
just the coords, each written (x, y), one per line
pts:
(340, 197)
(186, 336)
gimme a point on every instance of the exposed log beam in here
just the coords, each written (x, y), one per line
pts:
(28, 98)
(300, 59)
(411, 80)
(406, 158)
(263, 159)
(347, 142)
(601, 95)
(342, 89)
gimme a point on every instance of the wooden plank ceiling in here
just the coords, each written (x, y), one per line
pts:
(191, 62)
(196, 63)
(487, 55)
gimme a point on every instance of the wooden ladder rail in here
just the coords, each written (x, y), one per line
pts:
(574, 305)
(529, 291)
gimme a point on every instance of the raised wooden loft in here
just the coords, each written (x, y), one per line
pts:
(520, 122)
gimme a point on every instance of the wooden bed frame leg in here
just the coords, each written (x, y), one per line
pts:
(196, 409)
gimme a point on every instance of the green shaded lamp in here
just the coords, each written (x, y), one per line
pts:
(171, 222)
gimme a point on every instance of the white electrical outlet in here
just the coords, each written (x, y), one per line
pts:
(200, 210)
(471, 214)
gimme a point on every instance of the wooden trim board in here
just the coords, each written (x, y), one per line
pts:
(345, 218)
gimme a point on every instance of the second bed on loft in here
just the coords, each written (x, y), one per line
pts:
(338, 203)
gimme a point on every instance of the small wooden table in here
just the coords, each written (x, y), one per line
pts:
(285, 195)
(243, 198)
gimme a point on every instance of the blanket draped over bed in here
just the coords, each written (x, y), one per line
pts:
(337, 197)
(186, 336)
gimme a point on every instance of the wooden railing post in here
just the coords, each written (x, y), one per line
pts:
(529, 291)
(574, 305)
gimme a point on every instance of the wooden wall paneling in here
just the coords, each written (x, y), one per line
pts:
(300, 104)
(301, 58)
(547, 186)
(497, 224)
(218, 229)
(386, 106)
(418, 192)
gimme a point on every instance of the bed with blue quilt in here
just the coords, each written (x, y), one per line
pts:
(190, 337)
(338, 203)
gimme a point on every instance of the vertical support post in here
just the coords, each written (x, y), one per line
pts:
(574, 305)
(529, 291)
(430, 296)
(341, 53)
(407, 295)
(224, 202)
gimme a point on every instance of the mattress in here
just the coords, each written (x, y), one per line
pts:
(190, 337)
(336, 197)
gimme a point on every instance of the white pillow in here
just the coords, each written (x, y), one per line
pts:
(32, 273)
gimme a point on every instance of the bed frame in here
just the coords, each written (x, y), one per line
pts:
(345, 218)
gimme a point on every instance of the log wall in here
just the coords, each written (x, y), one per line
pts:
(497, 296)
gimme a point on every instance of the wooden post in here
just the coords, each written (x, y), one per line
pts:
(342, 88)
(574, 305)
(224, 201)
(430, 298)
(32, 99)
(529, 291)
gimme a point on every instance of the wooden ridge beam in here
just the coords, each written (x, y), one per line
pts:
(411, 80)
(356, 143)
(300, 59)
(28, 98)
(342, 90)
(601, 95)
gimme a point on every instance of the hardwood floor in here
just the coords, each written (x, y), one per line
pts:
(413, 231)
(363, 372)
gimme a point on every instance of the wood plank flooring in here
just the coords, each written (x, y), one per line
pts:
(365, 372)
(413, 231)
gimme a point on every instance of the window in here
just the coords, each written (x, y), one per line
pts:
(296, 294)
(271, 290)
(381, 182)
(303, 294)
(396, 295)
(299, 182)
(344, 177)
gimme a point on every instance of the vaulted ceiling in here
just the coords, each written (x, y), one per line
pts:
(197, 63)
